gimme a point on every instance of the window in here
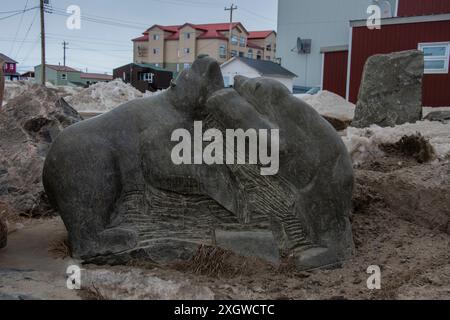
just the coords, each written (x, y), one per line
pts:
(436, 56)
(242, 41)
(156, 37)
(269, 47)
(250, 54)
(234, 39)
(241, 54)
(187, 50)
(223, 51)
(156, 51)
(124, 76)
(258, 55)
(146, 76)
(187, 35)
(233, 53)
(64, 76)
(178, 67)
(268, 58)
(187, 66)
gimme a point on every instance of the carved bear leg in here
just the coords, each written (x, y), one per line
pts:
(91, 173)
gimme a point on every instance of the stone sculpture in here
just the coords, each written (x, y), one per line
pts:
(122, 197)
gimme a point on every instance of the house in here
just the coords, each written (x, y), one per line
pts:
(59, 75)
(29, 75)
(92, 78)
(338, 66)
(321, 23)
(9, 67)
(176, 47)
(67, 76)
(427, 30)
(262, 45)
(253, 68)
(144, 77)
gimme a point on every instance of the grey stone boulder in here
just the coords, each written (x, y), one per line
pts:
(391, 90)
(122, 197)
(441, 116)
(29, 124)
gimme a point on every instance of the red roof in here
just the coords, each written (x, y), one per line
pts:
(209, 31)
(98, 76)
(260, 34)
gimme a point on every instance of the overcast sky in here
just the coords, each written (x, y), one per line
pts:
(100, 47)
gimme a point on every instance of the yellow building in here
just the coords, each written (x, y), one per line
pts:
(176, 47)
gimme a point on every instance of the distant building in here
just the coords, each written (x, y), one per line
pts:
(67, 76)
(176, 47)
(324, 23)
(9, 67)
(341, 42)
(252, 68)
(144, 77)
(29, 75)
(262, 45)
(92, 78)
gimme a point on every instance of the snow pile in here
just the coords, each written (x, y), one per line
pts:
(329, 104)
(363, 144)
(14, 89)
(105, 96)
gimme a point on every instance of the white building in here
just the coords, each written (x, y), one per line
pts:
(325, 23)
(252, 68)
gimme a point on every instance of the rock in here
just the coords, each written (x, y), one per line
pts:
(122, 196)
(335, 109)
(339, 124)
(442, 116)
(391, 90)
(28, 125)
(138, 284)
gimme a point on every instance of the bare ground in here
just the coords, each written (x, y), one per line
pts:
(410, 243)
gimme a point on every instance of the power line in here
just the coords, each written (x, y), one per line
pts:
(18, 27)
(17, 13)
(27, 33)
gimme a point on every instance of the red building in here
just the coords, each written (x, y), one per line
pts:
(9, 67)
(423, 25)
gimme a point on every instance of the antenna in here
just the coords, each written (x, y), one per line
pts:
(303, 46)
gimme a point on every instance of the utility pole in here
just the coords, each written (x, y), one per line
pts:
(43, 78)
(64, 49)
(231, 9)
